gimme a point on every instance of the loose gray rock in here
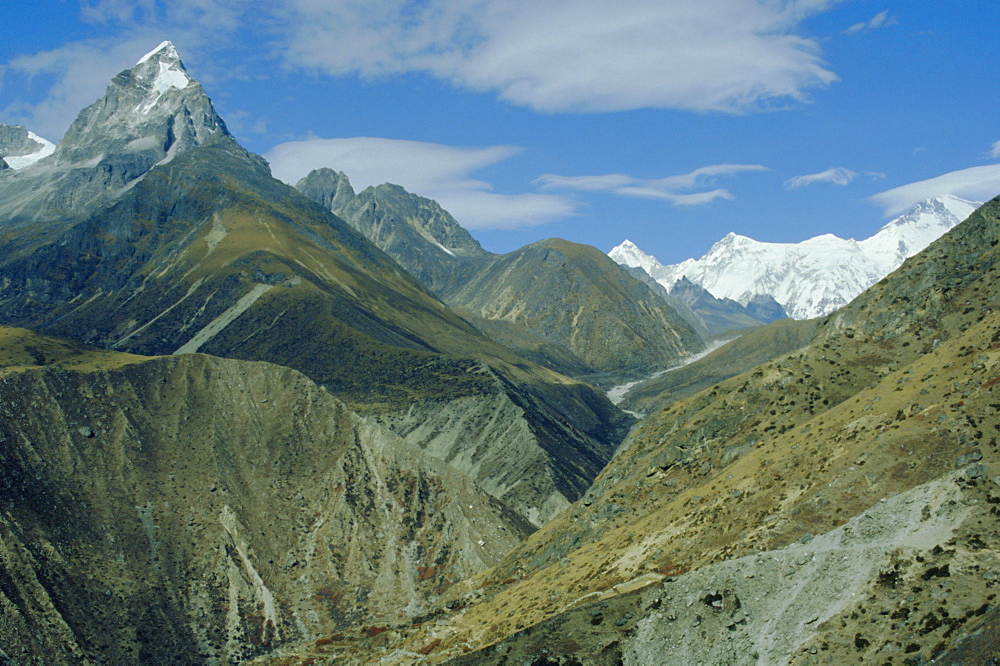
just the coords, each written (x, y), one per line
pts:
(971, 457)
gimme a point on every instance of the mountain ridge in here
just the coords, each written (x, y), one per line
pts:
(811, 278)
(555, 302)
(876, 408)
(206, 252)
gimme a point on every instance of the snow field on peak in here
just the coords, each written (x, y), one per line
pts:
(44, 149)
(629, 254)
(168, 73)
(165, 45)
(811, 278)
(168, 76)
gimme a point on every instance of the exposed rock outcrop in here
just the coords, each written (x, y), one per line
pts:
(213, 510)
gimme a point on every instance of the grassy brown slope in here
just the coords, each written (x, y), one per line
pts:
(792, 448)
(752, 348)
(21, 348)
(575, 297)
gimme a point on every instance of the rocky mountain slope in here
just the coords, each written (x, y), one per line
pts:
(20, 148)
(423, 237)
(812, 278)
(572, 296)
(196, 509)
(192, 246)
(148, 115)
(833, 504)
(561, 304)
(749, 349)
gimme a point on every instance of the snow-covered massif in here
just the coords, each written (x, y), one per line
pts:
(811, 278)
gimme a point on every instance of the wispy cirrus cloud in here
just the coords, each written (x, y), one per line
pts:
(734, 56)
(976, 184)
(880, 20)
(675, 189)
(994, 151)
(834, 175)
(573, 55)
(437, 171)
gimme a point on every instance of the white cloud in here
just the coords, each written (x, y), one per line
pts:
(116, 11)
(834, 175)
(440, 172)
(880, 20)
(976, 184)
(995, 150)
(675, 189)
(214, 16)
(573, 55)
(553, 56)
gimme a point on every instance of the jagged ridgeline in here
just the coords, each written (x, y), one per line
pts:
(150, 230)
(564, 305)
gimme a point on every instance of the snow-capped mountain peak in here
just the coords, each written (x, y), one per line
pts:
(911, 232)
(154, 109)
(813, 277)
(149, 115)
(628, 254)
(165, 49)
(160, 69)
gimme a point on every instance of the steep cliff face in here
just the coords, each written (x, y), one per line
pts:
(200, 509)
(538, 470)
(423, 237)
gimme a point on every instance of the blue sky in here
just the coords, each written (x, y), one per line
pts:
(668, 123)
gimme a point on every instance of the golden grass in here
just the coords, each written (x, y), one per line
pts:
(21, 349)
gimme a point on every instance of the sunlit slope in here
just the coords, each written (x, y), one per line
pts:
(564, 305)
(21, 349)
(210, 254)
(575, 297)
(895, 391)
(751, 348)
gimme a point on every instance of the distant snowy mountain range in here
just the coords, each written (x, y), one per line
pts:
(811, 278)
